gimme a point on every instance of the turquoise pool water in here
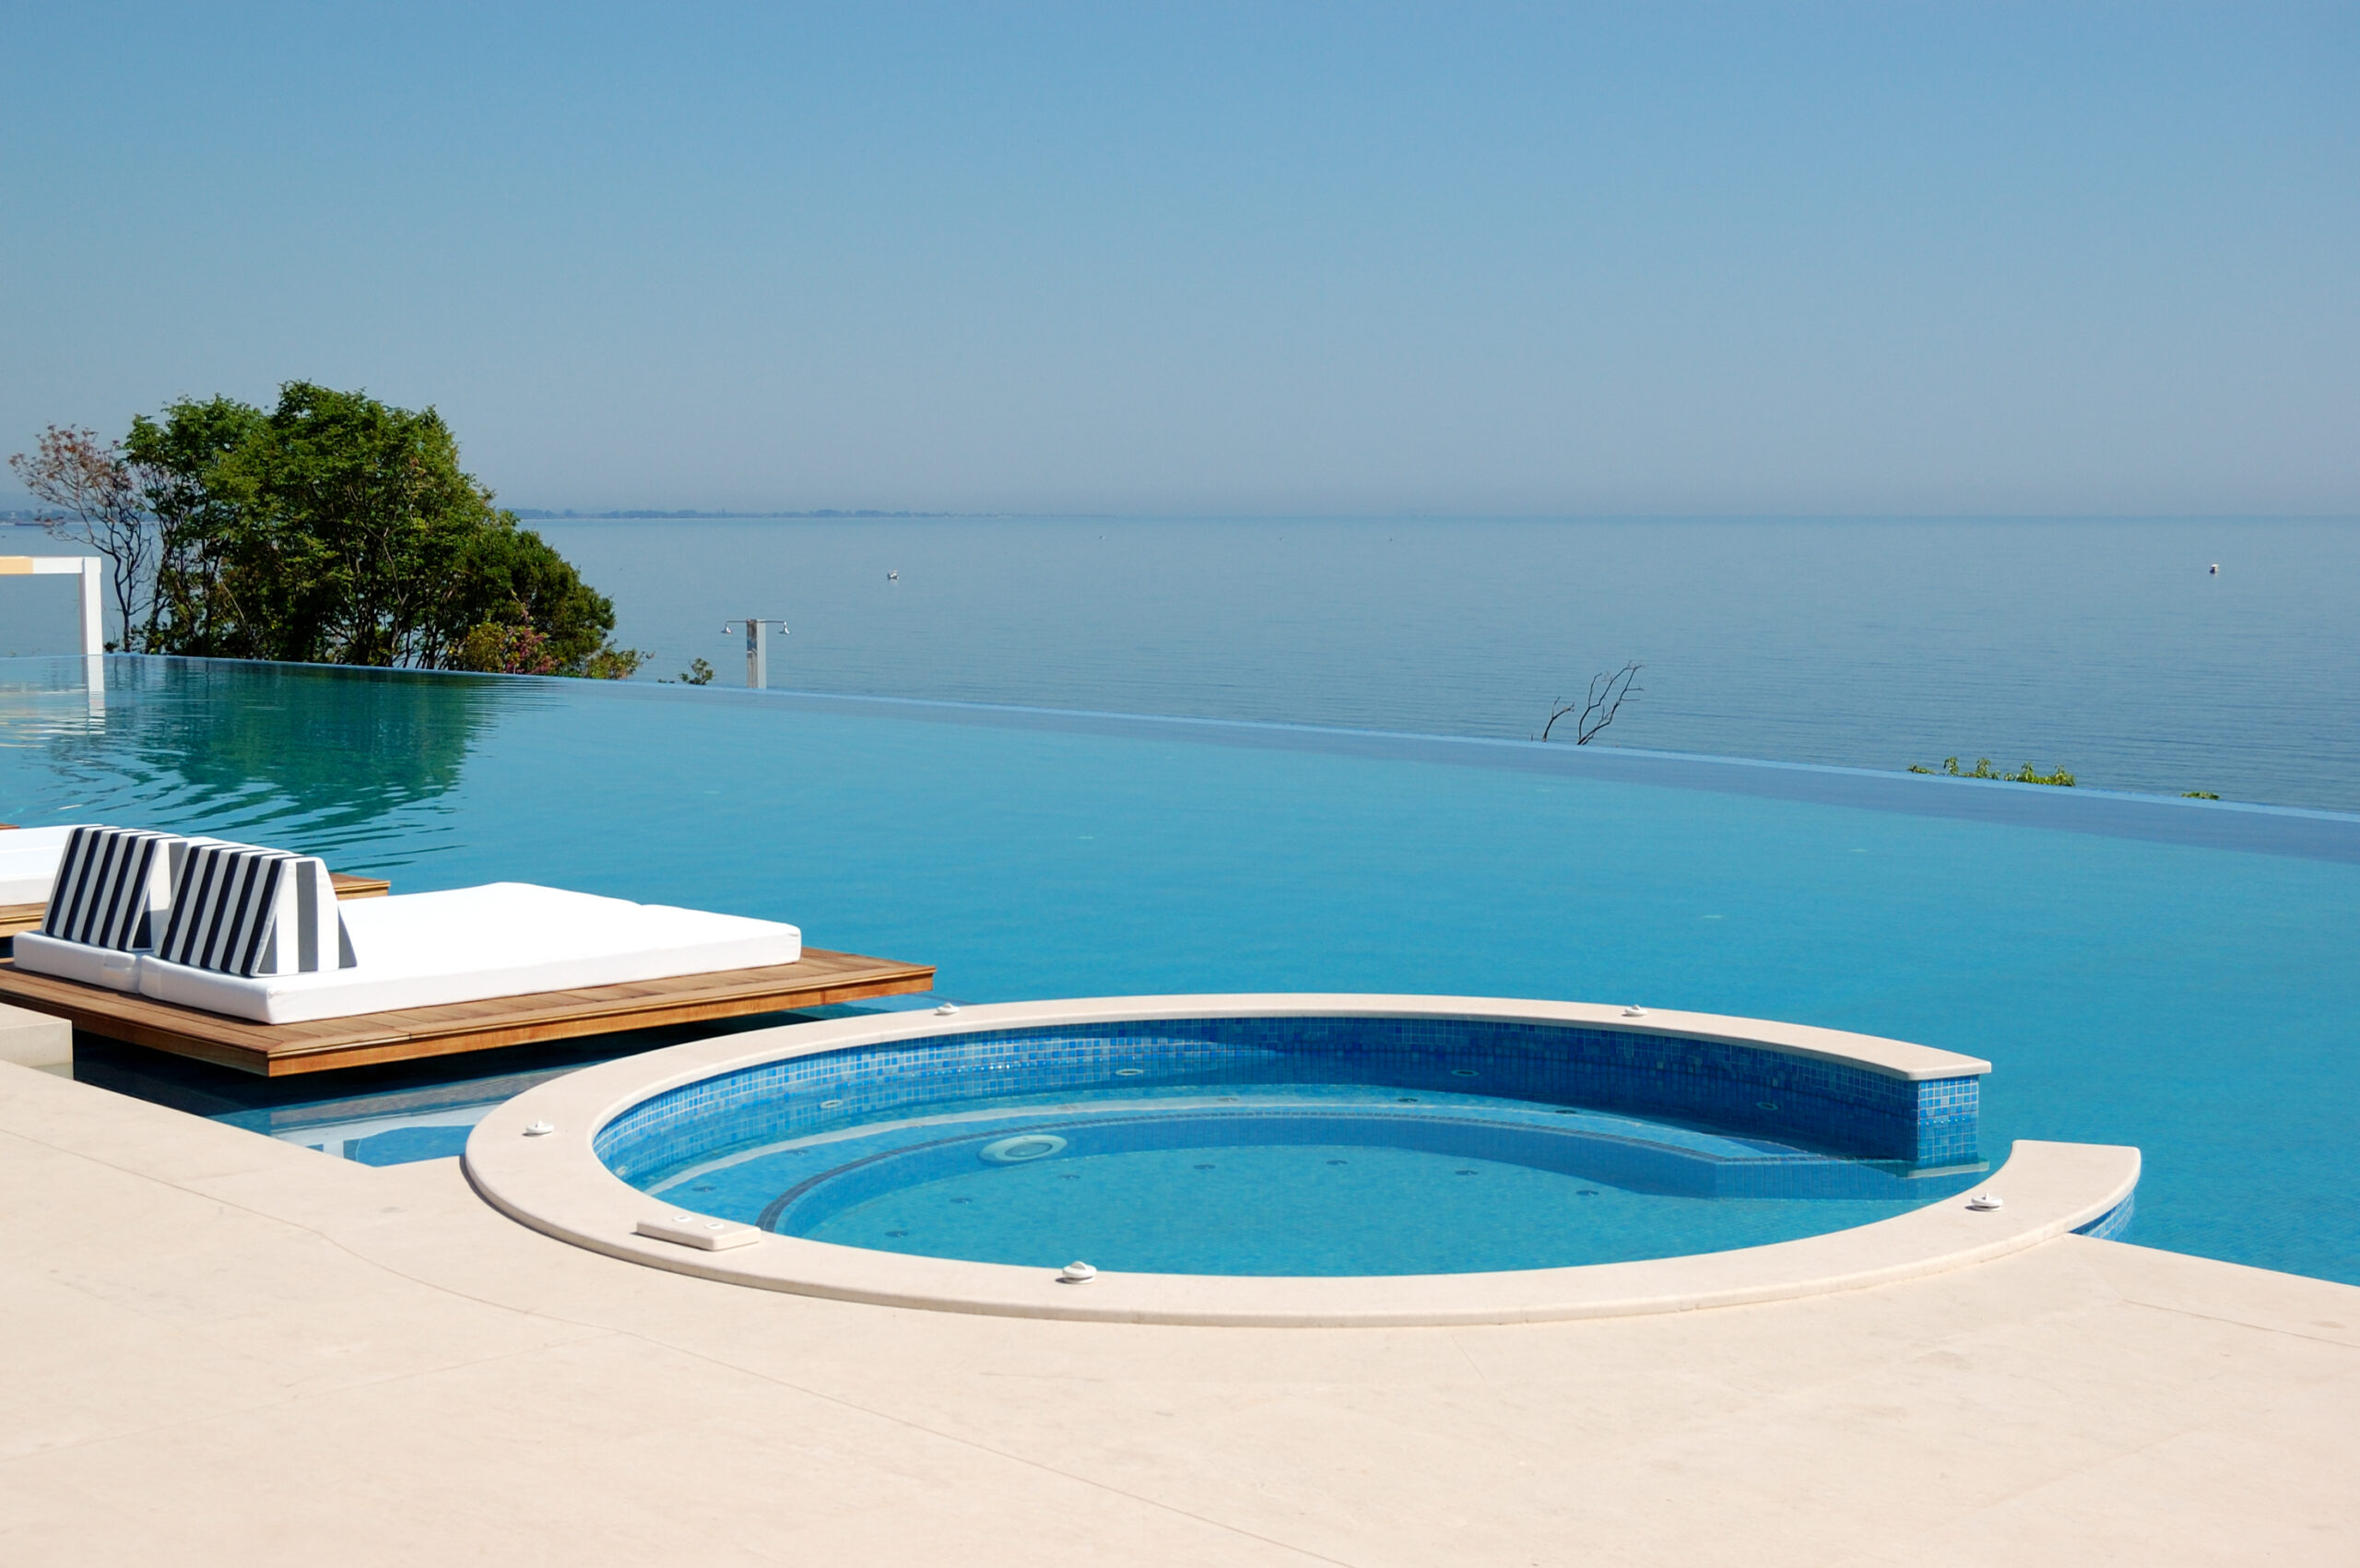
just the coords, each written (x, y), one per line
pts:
(1259, 1178)
(2137, 985)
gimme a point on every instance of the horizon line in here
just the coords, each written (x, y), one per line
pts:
(33, 516)
(544, 514)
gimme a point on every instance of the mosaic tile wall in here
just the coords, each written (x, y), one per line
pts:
(2115, 1223)
(1747, 1090)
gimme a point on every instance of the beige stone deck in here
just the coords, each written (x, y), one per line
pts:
(220, 1348)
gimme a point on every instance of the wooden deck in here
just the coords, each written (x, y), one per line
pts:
(277, 1049)
(16, 917)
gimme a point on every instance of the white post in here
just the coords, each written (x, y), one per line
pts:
(94, 638)
(94, 614)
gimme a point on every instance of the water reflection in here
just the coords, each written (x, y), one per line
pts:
(312, 758)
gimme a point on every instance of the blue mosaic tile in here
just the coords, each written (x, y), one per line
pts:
(2115, 1223)
(1748, 1089)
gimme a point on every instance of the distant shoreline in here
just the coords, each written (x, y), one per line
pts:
(535, 514)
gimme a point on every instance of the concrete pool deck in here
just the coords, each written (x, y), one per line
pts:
(224, 1349)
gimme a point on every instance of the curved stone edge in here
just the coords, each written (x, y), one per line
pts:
(555, 1183)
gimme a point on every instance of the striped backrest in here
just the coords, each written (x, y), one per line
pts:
(241, 910)
(321, 940)
(111, 883)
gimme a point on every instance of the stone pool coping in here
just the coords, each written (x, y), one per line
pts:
(555, 1183)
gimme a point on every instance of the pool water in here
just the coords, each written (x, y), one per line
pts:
(1250, 1178)
(2138, 983)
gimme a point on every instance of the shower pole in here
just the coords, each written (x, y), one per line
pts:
(758, 649)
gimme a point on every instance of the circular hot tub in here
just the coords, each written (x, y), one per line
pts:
(1239, 1151)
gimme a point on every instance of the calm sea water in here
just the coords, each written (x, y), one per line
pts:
(2104, 647)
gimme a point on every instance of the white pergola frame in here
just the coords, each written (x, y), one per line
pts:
(90, 569)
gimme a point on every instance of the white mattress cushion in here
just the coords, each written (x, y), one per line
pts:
(503, 939)
(29, 862)
(110, 967)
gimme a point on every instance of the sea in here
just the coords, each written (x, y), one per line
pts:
(2170, 655)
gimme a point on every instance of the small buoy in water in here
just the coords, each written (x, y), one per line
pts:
(1076, 1274)
(1986, 1200)
(2214, 569)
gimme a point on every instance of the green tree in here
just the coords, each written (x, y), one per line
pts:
(511, 579)
(340, 529)
(194, 608)
(353, 522)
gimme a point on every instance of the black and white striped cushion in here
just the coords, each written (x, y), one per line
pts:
(109, 882)
(223, 906)
(241, 910)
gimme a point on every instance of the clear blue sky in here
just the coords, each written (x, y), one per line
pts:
(1896, 258)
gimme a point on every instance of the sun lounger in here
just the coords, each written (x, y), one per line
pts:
(251, 933)
(251, 975)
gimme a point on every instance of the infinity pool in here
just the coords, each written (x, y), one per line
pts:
(2168, 974)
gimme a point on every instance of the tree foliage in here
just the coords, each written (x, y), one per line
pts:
(1983, 769)
(338, 529)
(193, 606)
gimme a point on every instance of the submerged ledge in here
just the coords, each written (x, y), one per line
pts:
(554, 1181)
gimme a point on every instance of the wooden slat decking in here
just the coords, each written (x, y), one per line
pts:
(360, 887)
(16, 917)
(277, 1049)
